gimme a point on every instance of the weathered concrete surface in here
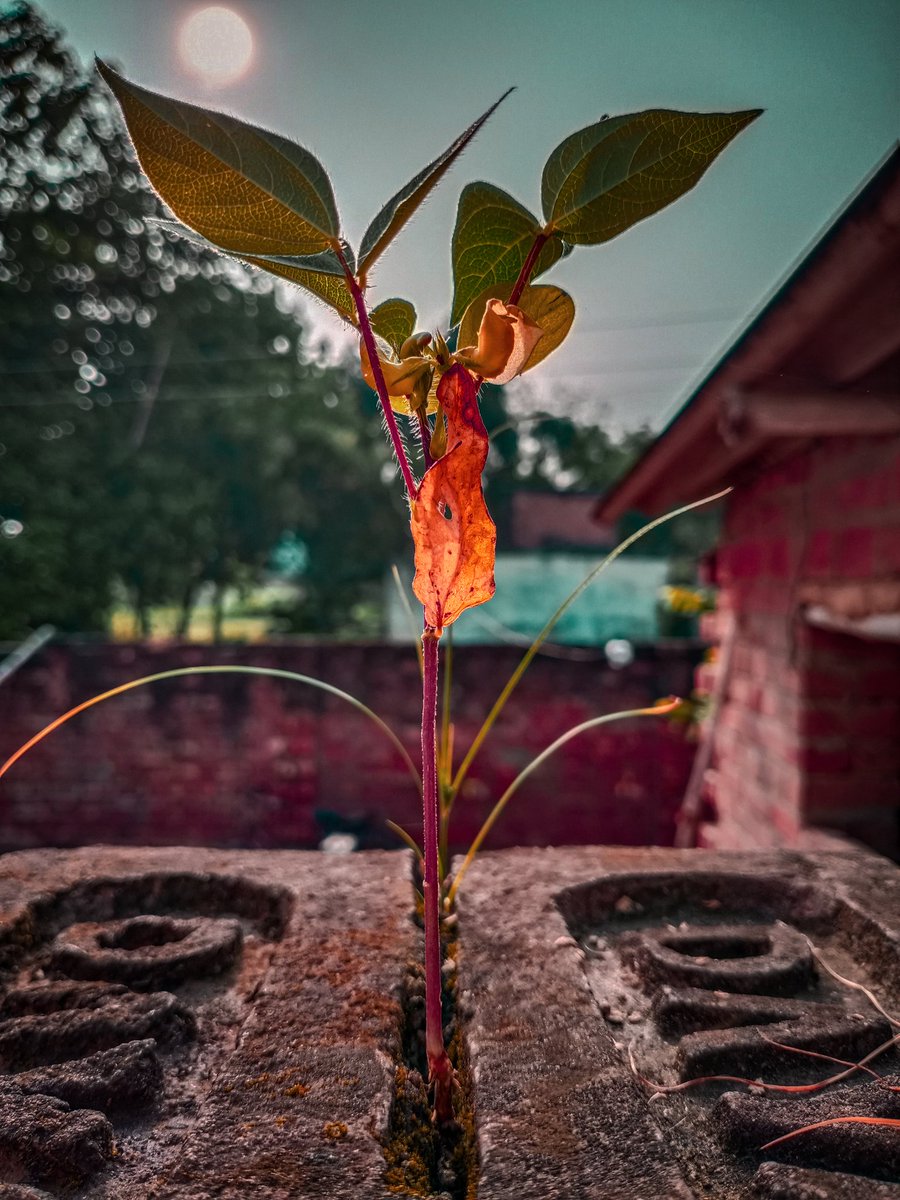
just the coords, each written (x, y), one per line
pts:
(553, 999)
(235, 1022)
(775, 1181)
(276, 1053)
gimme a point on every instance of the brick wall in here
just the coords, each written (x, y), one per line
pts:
(236, 760)
(809, 733)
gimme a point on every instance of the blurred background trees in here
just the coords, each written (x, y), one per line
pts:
(163, 420)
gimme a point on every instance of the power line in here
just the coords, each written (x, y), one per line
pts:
(39, 367)
(635, 370)
(176, 399)
(710, 318)
(605, 367)
(705, 318)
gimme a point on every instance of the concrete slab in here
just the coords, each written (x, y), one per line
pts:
(190, 1024)
(572, 960)
(275, 1049)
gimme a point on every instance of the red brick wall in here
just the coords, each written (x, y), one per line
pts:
(809, 733)
(235, 760)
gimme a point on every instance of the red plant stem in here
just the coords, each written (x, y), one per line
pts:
(380, 386)
(440, 1069)
(527, 267)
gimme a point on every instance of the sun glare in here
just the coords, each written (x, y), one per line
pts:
(216, 44)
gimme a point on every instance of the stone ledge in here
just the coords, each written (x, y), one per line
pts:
(283, 1084)
(260, 997)
(554, 1003)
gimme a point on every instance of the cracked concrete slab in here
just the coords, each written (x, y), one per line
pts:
(236, 1021)
(286, 972)
(572, 962)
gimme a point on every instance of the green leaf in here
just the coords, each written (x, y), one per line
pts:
(603, 179)
(180, 672)
(326, 287)
(491, 240)
(394, 320)
(326, 262)
(330, 289)
(548, 305)
(398, 210)
(245, 189)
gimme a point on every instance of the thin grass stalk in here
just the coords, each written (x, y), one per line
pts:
(445, 753)
(410, 617)
(271, 672)
(657, 710)
(513, 681)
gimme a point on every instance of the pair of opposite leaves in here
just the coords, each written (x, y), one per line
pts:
(269, 202)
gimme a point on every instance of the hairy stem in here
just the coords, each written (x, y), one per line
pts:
(440, 1070)
(425, 432)
(528, 265)
(390, 420)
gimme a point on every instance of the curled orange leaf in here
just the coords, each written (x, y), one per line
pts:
(454, 535)
(506, 338)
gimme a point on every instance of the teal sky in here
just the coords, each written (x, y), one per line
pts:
(378, 89)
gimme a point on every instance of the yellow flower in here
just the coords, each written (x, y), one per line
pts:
(402, 379)
(506, 338)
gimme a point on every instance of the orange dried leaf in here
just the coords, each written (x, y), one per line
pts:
(454, 535)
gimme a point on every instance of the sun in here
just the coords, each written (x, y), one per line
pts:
(216, 44)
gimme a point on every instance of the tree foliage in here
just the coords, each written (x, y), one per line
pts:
(163, 422)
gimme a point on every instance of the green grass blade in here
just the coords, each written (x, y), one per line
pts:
(271, 672)
(523, 666)
(406, 837)
(498, 808)
(410, 616)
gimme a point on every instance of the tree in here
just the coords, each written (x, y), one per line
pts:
(80, 277)
(162, 424)
(550, 453)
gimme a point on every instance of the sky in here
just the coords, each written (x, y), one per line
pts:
(378, 88)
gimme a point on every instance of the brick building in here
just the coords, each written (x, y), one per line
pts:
(802, 418)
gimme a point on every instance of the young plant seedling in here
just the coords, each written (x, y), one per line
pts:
(267, 202)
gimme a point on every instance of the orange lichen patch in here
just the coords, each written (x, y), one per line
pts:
(299, 1089)
(455, 538)
(335, 1131)
(410, 1151)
